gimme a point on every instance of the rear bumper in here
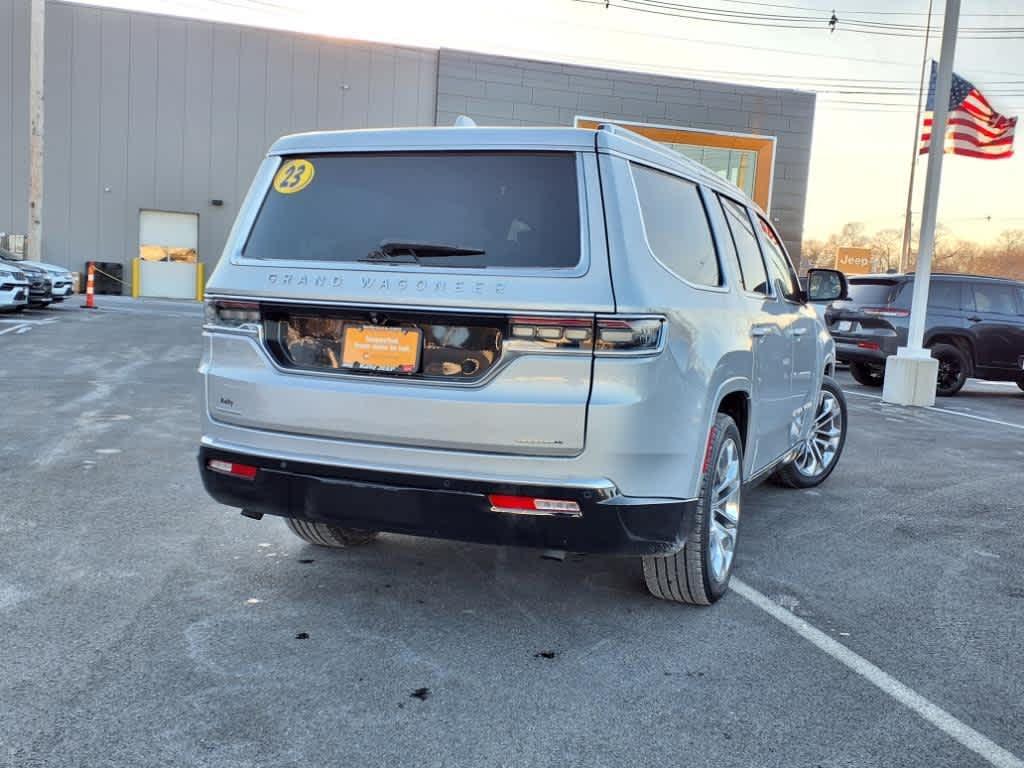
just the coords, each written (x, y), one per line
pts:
(848, 349)
(449, 508)
(851, 353)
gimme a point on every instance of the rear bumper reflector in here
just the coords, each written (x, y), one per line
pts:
(230, 468)
(527, 505)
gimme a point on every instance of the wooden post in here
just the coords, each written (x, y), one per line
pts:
(35, 150)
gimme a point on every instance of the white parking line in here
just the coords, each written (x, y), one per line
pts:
(945, 410)
(932, 713)
(19, 328)
(27, 321)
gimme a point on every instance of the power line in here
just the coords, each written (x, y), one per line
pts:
(775, 21)
(823, 16)
(846, 11)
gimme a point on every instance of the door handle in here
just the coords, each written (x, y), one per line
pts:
(798, 332)
(760, 330)
(974, 318)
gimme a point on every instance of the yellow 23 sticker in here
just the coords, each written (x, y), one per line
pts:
(293, 176)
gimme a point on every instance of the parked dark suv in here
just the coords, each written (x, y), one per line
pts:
(974, 327)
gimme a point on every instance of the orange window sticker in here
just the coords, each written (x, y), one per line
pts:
(293, 176)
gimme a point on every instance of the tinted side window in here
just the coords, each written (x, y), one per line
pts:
(995, 298)
(944, 294)
(677, 226)
(751, 265)
(779, 268)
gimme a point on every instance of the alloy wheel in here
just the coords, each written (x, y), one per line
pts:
(949, 373)
(820, 449)
(725, 511)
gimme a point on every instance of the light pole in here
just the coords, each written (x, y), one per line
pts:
(911, 373)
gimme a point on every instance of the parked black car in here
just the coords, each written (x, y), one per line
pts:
(974, 327)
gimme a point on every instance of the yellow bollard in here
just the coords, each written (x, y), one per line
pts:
(135, 278)
(200, 280)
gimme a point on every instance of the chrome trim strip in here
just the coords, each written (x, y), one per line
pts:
(536, 512)
(512, 349)
(772, 466)
(508, 356)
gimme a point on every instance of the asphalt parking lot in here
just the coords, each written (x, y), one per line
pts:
(145, 625)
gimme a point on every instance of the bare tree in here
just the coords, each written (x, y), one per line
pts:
(1010, 242)
(885, 249)
(853, 233)
(816, 254)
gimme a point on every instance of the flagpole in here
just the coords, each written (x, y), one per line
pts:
(910, 374)
(907, 220)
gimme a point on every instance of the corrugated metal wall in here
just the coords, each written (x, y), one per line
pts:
(13, 116)
(146, 111)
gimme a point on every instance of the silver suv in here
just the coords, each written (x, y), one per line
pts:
(569, 339)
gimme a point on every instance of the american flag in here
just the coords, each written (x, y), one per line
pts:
(973, 127)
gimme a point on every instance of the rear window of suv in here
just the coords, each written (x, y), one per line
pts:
(874, 293)
(521, 209)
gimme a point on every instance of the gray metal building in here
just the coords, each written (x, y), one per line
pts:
(155, 113)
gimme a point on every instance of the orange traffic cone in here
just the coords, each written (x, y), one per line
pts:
(89, 302)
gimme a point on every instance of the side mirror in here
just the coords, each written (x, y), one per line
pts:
(824, 285)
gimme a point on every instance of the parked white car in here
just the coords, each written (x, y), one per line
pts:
(13, 288)
(59, 276)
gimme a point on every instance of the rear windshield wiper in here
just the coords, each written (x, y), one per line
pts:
(396, 252)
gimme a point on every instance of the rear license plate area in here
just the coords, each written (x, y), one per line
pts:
(448, 347)
(378, 348)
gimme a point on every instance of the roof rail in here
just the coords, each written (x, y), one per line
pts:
(619, 130)
(969, 274)
(701, 170)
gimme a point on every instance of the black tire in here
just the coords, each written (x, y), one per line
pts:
(867, 375)
(954, 368)
(324, 535)
(687, 576)
(1020, 381)
(800, 473)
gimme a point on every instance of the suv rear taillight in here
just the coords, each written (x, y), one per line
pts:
(538, 334)
(634, 335)
(885, 311)
(629, 335)
(240, 315)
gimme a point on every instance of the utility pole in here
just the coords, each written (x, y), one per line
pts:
(35, 111)
(911, 373)
(907, 220)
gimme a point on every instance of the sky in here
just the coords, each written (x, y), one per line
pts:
(863, 135)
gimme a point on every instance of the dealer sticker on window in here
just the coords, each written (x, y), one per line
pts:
(293, 176)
